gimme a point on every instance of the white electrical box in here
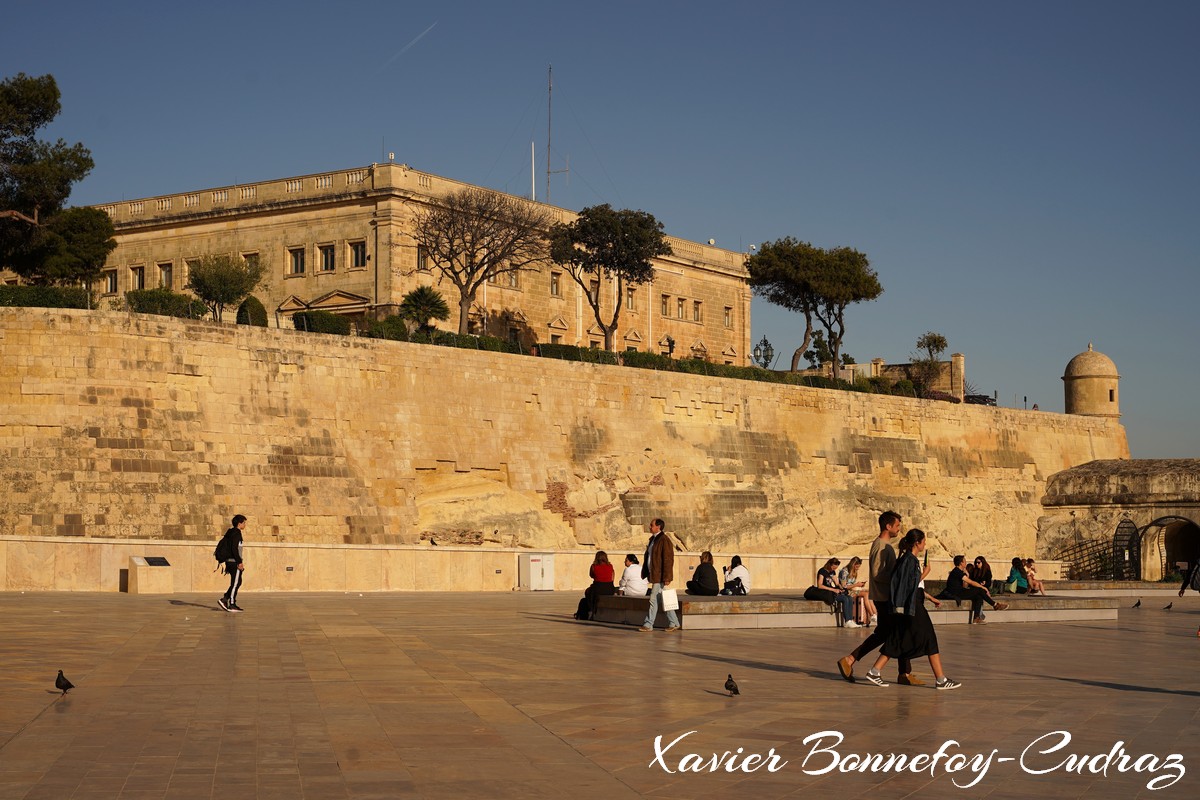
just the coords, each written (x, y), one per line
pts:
(535, 572)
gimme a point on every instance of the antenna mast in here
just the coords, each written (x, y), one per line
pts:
(549, 110)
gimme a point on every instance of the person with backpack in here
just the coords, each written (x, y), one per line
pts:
(229, 555)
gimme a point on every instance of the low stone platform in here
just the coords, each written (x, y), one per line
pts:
(793, 611)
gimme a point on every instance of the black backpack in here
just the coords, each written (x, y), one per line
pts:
(221, 553)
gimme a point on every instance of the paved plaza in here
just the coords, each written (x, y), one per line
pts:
(321, 696)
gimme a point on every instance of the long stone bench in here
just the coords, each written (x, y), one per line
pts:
(793, 611)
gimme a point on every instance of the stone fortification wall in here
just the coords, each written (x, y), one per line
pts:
(133, 427)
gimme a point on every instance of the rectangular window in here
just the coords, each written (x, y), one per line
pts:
(666, 304)
(679, 308)
(493, 279)
(296, 260)
(189, 266)
(110, 281)
(594, 291)
(358, 255)
(137, 277)
(422, 259)
(514, 280)
(164, 276)
(696, 311)
(555, 338)
(556, 284)
(594, 344)
(630, 296)
(728, 316)
(328, 257)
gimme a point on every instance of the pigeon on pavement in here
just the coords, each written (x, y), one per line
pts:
(731, 686)
(1138, 604)
(62, 683)
(1167, 607)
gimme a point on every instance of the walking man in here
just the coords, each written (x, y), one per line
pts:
(231, 548)
(883, 563)
(658, 567)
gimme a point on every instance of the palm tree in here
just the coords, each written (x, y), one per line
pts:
(423, 304)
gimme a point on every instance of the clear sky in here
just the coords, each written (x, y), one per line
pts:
(1022, 175)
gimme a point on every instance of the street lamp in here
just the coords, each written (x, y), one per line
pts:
(763, 353)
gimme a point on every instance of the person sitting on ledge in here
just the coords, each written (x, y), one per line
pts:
(1017, 579)
(601, 573)
(1035, 585)
(737, 577)
(632, 582)
(848, 578)
(980, 571)
(960, 586)
(704, 577)
(829, 591)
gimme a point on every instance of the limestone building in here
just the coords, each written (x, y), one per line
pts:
(341, 242)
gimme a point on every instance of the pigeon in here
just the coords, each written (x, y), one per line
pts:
(62, 683)
(1167, 607)
(1138, 604)
(731, 687)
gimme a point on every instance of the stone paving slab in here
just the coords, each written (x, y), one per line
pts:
(317, 696)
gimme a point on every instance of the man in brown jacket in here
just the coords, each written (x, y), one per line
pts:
(658, 567)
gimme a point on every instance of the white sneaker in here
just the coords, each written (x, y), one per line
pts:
(852, 624)
(874, 620)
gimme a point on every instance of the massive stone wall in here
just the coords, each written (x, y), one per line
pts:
(129, 426)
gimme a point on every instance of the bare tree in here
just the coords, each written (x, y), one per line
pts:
(476, 234)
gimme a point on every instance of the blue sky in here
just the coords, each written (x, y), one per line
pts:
(1022, 175)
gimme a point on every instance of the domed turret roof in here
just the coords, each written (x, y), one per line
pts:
(1091, 364)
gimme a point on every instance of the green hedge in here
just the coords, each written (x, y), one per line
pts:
(252, 312)
(43, 297)
(387, 328)
(569, 352)
(165, 303)
(321, 322)
(466, 341)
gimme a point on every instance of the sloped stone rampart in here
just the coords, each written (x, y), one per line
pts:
(136, 427)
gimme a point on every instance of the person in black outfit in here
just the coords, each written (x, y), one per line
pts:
(704, 577)
(231, 548)
(912, 636)
(960, 586)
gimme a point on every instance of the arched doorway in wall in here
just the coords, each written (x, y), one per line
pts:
(1167, 542)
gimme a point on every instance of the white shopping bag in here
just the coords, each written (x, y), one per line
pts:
(670, 600)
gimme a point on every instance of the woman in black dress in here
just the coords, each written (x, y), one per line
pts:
(912, 636)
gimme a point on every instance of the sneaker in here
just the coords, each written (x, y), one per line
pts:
(908, 679)
(236, 607)
(223, 603)
(846, 666)
(645, 629)
(852, 624)
(875, 679)
(946, 683)
(673, 629)
(980, 620)
(1001, 606)
(874, 620)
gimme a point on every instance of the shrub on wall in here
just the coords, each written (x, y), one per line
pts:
(569, 352)
(392, 327)
(165, 303)
(252, 312)
(43, 296)
(321, 322)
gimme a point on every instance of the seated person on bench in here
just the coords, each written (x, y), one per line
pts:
(704, 577)
(960, 586)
